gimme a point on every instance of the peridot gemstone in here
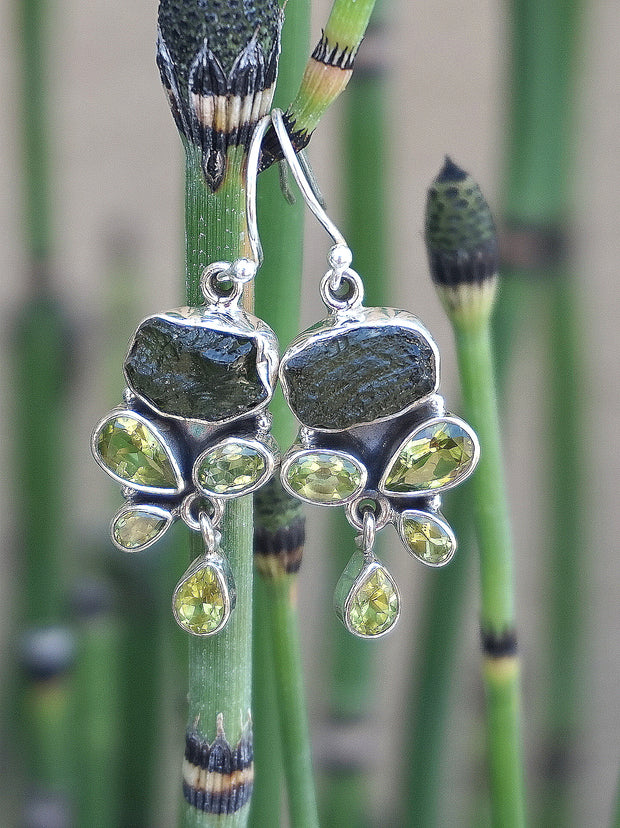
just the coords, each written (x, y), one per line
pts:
(374, 605)
(324, 477)
(436, 456)
(199, 602)
(427, 539)
(131, 451)
(135, 528)
(230, 468)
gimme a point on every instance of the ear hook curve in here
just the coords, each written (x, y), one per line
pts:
(302, 181)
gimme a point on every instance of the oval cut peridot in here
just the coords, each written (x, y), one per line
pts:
(433, 457)
(230, 468)
(324, 477)
(131, 451)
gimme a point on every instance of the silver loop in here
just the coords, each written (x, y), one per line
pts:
(212, 276)
(369, 530)
(355, 296)
(192, 521)
(301, 179)
(207, 530)
(250, 189)
(357, 509)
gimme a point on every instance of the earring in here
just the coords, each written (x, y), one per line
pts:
(193, 431)
(374, 433)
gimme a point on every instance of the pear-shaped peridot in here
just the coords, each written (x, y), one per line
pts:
(231, 468)
(136, 528)
(373, 605)
(131, 451)
(427, 537)
(199, 603)
(434, 457)
(324, 476)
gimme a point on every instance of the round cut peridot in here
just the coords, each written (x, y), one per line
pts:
(324, 477)
(230, 468)
(374, 604)
(435, 456)
(131, 451)
(199, 602)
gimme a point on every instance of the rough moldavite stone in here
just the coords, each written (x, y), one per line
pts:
(199, 602)
(358, 376)
(435, 456)
(131, 451)
(427, 539)
(135, 528)
(193, 371)
(324, 477)
(374, 604)
(230, 468)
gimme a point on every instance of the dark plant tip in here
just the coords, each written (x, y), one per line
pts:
(450, 172)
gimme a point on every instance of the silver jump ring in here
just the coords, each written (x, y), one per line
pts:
(373, 502)
(353, 298)
(205, 503)
(210, 284)
(369, 530)
(207, 530)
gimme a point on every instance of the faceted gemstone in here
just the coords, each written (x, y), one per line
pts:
(230, 468)
(194, 371)
(374, 604)
(324, 477)
(358, 376)
(433, 457)
(199, 602)
(135, 528)
(427, 538)
(131, 451)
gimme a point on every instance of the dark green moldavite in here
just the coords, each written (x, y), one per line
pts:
(361, 375)
(193, 371)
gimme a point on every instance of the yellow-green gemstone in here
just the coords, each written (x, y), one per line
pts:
(136, 527)
(132, 452)
(230, 468)
(427, 539)
(374, 605)
(199, 602)
(435, 456)
(324, 477)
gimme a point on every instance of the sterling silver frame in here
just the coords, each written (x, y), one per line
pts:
(358, 317)
(265, 449)
(433, 517)
(163, 434)
(448, 418)
(296, 452)
(225, 317)
(150, 508)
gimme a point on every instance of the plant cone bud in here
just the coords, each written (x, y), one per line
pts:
(462, 246)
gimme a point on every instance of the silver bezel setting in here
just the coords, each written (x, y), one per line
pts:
(437, 489)
(262, 448)
(355, 319)
(160, 432)
(296, 453)
(344, 612)
(149, 508)
(426, 516)
(225, 318)
(223, 573)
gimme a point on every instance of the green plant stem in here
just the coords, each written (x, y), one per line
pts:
(539, 199)
(501, 674)
(220, 668)
(281, 730)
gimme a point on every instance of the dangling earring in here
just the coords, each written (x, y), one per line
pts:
(193, 431)
(375, 436)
